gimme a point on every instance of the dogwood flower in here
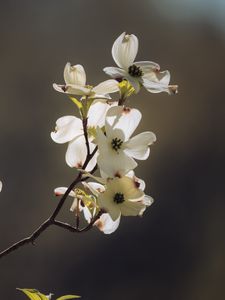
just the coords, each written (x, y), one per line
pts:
(69, 129)
(118, 196)
(105, 222)
(116, 149)
(122, 196)
(75, 79)
(142, 73)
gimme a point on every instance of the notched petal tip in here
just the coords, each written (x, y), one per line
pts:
(173, 89)
(60, 88)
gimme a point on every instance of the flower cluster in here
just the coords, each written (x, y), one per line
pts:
(103, 137)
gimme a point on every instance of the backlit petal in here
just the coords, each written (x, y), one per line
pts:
(115, 72)
(106, 224)
(106, 87)
(59, 191)
(94, 187)
(67, 128)
(124, 50)
(129, 208)
(123, 118)
(147, 66)
(105, 201)
(137, 147)
(135, 82)
(97, 113)
(74, 75)
(76, 154)
(156, 82)
(115, 164)
(72, 89)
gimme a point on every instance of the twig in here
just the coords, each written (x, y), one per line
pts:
(85, 122)
(51, 220)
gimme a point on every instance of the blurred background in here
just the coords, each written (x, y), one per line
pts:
(176, 251)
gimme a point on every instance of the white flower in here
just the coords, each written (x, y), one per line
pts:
(146, 73)
(82, 201)
(118, 196)
(69, 129)
(0, 186)
(116, 149)
(123, 196)
(75, 79)
(105, 222)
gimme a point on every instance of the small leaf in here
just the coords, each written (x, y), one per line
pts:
(34, 294)
(66, 297)
(76, 101)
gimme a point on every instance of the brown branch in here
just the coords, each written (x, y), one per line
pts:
(51, 220)
(85, 122)
(75, 229)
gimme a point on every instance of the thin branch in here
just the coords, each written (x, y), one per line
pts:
(75, 229)
(51, 220)
(27, 240)
(85, 122)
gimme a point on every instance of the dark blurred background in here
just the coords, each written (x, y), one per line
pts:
(176, 251)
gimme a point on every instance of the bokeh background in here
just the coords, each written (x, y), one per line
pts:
(176, 251)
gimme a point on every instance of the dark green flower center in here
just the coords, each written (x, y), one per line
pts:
(118, 198)
(116, 144)
(135, 71)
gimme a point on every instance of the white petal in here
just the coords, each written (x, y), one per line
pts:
(97, 113)
(124, 50)
(72, 89)
(59, 88)
(85, 210)
(67, 128)
(155, 87)
(123, 118)
(101, 141)
(139, 182)
(155, 76)
(76, 154)
(148, 200)
(115, 72)
(128, 187)
(147, 66)
(106, 203)
(115, 164)
(137, 147)
(156, 82)
(74, 205)
(130, 208)
(87, 214)
(74, 75)
(59, 191)
(106, 224)
(0, 186)
(135, 82)
(94, 187)
(106, 87)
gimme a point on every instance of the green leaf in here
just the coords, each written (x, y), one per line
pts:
(66, 297)
(34, 294)
(76, 101)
